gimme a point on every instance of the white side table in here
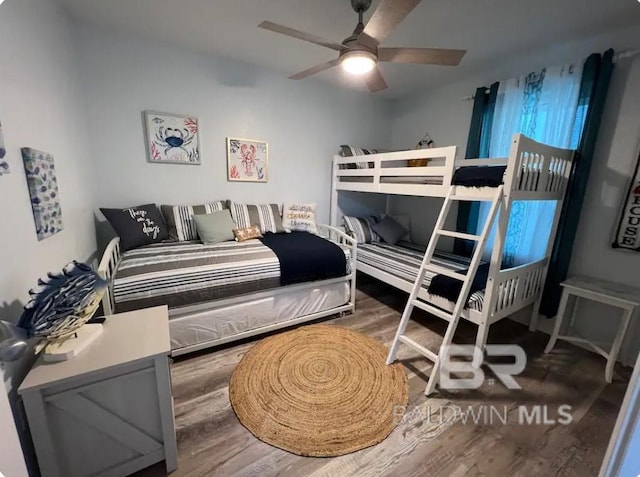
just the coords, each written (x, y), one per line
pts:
(620, 296)
(109, 410)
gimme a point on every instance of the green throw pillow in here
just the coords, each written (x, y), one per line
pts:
(215, 227)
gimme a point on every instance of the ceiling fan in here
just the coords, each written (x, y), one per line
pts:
(360, 53)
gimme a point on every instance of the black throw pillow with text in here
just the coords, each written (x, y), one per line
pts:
(137, 226)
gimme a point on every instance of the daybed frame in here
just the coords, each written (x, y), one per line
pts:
(534, 171)
(111, 258)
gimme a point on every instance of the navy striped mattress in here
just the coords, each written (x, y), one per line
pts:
(186, 273)
(403, 261)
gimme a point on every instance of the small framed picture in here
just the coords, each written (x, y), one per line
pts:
(247, 160)
(4, 165)
(172, 138)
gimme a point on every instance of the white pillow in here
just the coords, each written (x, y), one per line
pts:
(300, 217)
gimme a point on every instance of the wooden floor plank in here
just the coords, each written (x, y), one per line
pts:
(432, 441)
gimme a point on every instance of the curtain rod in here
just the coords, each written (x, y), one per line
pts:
(625, 54)
(616, 58)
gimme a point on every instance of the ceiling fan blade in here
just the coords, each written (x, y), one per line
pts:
(300, 35)
(315, 69)
(388, 16)
(375, 81)
(421, 56)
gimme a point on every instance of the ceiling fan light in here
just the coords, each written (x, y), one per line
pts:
(358, 62)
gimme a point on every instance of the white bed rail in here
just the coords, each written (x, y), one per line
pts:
(106, 269)
(338, 236)
(537, 171)
(516, 288)
(390, 173)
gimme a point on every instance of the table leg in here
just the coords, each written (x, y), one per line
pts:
(574, 312)
(615, 348)
(556, 328)
(481, 337)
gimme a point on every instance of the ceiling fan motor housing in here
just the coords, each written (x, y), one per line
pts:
(361, 6)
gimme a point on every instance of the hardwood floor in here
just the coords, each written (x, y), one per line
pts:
(438, 442)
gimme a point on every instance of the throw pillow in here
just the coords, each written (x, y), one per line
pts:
(215, 227)
(349, 151)
(247, 233)
(390, 230)
(405, 221)
(300, 217)
(137, 226)
(361, 228)
(179, 218)
(265, 216)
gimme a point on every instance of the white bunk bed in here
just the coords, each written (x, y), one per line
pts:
(534, 171)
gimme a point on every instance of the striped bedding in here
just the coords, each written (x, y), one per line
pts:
(403, 261)
(186, 273)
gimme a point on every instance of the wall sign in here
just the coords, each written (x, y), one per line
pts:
(628, 231)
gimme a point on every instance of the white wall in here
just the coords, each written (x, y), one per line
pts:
(40, 107)
(304, 123)
(615, 158)
(446, 116)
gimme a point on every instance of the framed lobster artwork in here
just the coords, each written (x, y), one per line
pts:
(172, 138)
(247, 160)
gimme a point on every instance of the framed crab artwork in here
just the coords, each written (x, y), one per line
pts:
(172, 138)
(247, 160)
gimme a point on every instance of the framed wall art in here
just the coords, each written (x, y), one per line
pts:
(43, 189)
(628, 230)
(4, 165)
(172, 138)
(247, 160)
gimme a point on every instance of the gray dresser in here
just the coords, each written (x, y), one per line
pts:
(109, 410)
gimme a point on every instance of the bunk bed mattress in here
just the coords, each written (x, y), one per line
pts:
(187, 273)
(403, 261)
(428, 180)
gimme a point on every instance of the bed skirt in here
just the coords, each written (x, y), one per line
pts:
(215, 325)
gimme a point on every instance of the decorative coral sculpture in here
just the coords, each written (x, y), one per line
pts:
(63, 302)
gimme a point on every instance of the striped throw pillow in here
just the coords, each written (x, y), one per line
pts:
(265, 216)
(349, 151)
(361, 228)
(179, 218)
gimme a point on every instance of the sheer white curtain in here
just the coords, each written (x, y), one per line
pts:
(542, 106)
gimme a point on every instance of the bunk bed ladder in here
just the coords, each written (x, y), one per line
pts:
(466, 279)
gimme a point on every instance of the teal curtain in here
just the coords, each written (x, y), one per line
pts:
(484, 106)
(542, 105)
(594, 86)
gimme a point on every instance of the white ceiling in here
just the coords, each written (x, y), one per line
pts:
(491, 30)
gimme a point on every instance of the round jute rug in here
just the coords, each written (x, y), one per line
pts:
(320, 390)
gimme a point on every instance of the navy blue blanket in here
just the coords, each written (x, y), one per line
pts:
(481, 176)
(305, 257)
(450, 288)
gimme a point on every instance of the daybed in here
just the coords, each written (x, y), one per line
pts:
(222, 292)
